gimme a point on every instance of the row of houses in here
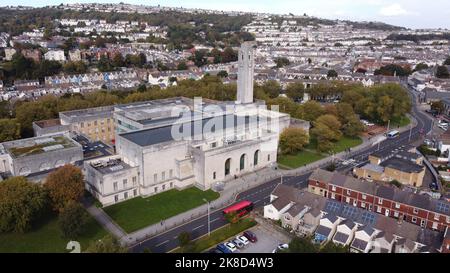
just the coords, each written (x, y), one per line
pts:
(326, 220)
(388, 200)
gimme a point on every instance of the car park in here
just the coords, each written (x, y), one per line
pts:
(214, 250)
(232, 247)
(237, 243)
(242, 239)
(250, 236)
(223, 248)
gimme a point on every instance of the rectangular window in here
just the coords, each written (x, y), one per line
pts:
(163, 176)
(155, 177)
(349, 192)
(134, 179)
(214, 145)
(268, 157)
(115, 186)
(415, 211)
(135, 192)
(333, 188)
(364, 197)
(414, 220)
(378, 209)
(396, 214)
(436, 217)
(355, 203)
(171, 184)
(333, 196)
(156, 189)
(214, 175)
(170, 173)
(163, 187)
(397, 205)
(422, 223)
(363, 205)
(125, 195)
(380, 201)
(347, 199)
(116, 198)
(125, 182)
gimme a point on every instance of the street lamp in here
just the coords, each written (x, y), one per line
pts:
(209, 223)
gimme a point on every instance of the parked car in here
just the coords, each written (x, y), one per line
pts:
(433, 186)
(280, 247)
(237, 243)
(232, 247)
(243, 239)
(214, 250)
(443, 127)
(250, 236)
(223, 248)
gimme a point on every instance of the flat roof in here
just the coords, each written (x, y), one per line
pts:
(402, 165)
(39, 145)
(110, 166)
(154, 136)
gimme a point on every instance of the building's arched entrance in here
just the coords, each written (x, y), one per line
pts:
(227, 166)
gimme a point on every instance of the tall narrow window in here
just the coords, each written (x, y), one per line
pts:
(227, 166)
(242, 162)
(255, 158)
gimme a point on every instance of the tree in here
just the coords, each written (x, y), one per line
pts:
(232, 217)
(21, 203)
(142, 88)
(28, 112)
(442, 72)
(393, 69)
(229, 55)
(222, 74)
(332, 73)
(9, 130)
(272, 88)
(331, 247)
(118, 60)
(295, 91)
(301, 245)
(72, 220)
(326, 130)
(105, 64)
(447, 61)
(351, 126)
(64, 185)
(107, 244)
(312, 110)
(420, 66)
(182, 66)
(292, 140)
(438, 106)
(282, 61)
(184, 238)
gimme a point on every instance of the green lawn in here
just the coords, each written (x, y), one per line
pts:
(310, 154)
(218, 236)
(46, 238)
(399, 122)
(345, 143)
(298, 160)
(139, 212)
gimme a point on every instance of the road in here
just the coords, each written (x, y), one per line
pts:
(260, 195)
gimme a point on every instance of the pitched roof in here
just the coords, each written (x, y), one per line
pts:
(341, 237)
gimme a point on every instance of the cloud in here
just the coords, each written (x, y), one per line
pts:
(393, 10)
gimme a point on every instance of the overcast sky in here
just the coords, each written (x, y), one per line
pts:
(408, 13)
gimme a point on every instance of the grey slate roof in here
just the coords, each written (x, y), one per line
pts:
(340, 237)
(322, 230)
(359, 244)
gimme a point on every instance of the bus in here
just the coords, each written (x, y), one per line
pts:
(241, 208)
(393, 134)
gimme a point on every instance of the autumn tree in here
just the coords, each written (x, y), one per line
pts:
(351, 126)
(64, 185)
(292, 140)
(312, 110)
(107, 244)
(21, 203)
(326, 131)
(295, 91)
(72, 220)
(184, 238)
(9, 130)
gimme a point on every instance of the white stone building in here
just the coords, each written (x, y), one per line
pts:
(55, 55)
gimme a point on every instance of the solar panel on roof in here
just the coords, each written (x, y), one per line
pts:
(349, 212)
(333, 207)
(443, 207)
(368, 218)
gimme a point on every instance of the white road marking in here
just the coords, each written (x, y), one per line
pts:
(198, 227)
(165, 242)
(215, 220)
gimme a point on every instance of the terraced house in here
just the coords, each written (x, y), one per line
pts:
(390, 201)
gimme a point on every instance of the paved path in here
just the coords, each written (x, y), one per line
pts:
(104, 219)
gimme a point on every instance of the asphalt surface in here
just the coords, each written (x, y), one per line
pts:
(259, 195)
